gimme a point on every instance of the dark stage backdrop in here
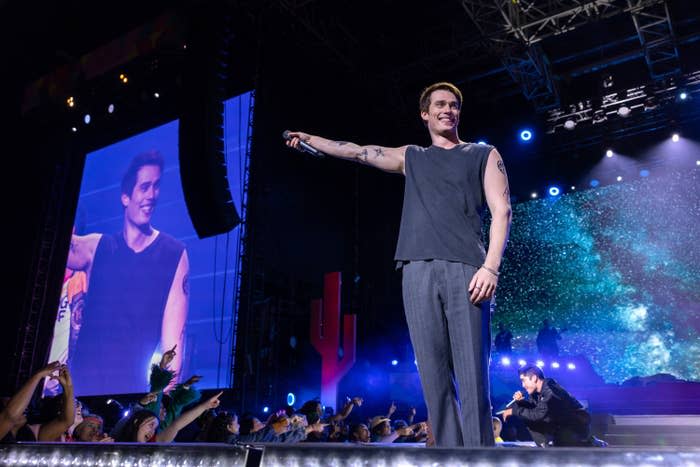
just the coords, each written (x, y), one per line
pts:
(618, 267)
(213, 262)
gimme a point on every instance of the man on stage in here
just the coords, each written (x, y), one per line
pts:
(448, 277)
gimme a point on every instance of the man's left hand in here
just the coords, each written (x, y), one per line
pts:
(482, 286)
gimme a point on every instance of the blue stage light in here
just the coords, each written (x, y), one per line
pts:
(266, 409)
(555, 364)
(522, 362)
(394, 362)
(481, 142)
(683, 96)
(571, 366)
(540, 363)
(526, 135)
(594, 183)
(675, 137)
(126, 413)
(554, 191)
(644, 173)
(505, 361)
(291, 399)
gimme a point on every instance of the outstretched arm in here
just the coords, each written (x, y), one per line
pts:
(169, 433)
(387, 159)
(483, 284)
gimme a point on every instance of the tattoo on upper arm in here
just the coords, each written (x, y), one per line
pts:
(501, 166)
(186, 284)
(363, 155)
(378, 152)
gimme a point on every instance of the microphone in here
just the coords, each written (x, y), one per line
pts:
(506, 407)
(303, 145)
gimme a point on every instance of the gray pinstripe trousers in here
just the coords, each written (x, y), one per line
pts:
(451, 338)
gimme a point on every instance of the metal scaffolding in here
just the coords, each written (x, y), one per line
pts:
(655, 30)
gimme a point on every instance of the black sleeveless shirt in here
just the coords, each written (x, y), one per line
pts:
(443, 203)
(121, 325)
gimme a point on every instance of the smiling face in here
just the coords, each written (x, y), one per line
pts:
(442, 115)
(139, 206)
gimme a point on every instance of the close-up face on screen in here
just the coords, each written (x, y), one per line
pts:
(138, 281)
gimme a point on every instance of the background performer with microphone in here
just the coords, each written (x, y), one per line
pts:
(448, 277)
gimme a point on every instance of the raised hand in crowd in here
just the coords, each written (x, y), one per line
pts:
(392, 409)
(168, 357)
(52, 430)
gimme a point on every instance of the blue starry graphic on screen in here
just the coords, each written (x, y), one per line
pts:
(618, 267)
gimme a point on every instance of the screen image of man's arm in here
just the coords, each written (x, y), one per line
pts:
(175, 313)
(82, 252)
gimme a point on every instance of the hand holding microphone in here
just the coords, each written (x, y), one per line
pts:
(297, 140)
(517, 396)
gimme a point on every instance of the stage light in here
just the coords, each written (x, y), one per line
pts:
(573, 188)
(110, 108)
(619, 178)
(683, 95)
(594, 183)
(291, 399)
(522, 362)
(266, 409)
(74, 129)
(87, 119)
(109, 401)
(123, 78)
(533, 195)
(526, 135)
(481, 142)
(609, 153)
(624, 111)
(415, 362)
(555, 365)
(394, 362)
(505, 361)
(126, 413)
(70, 102)
(644, 173)
(571, 366)
(156, 95)
(540, 363)
(554, 191)
(569, 124)
(675, 137)
(697, 162)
